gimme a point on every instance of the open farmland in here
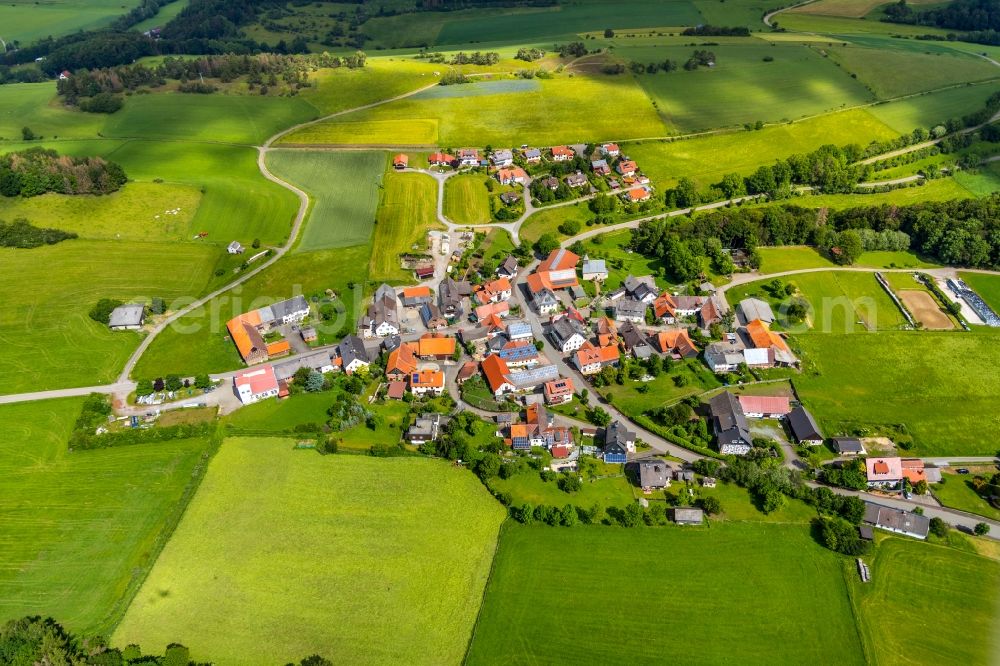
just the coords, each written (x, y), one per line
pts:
(846, 8)
(49, 340)
(987, 286)
(565, 109)
(199, 342)
(929, 604)
(587, 579)
(930, 109)
(34, 105)
(408, 209)
(934, 383)
(26, 20)
(466, 200)
(798, 257)
(381, 78)
(79, 529)
(327, 539)
(743, 87)
(344, 188)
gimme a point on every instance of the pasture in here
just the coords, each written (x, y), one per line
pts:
(327, 538)
(199, 342)
(565, 109)
(547, 221)
(800, 257)
(743, 87)
(707, 159)
(138, 211)
(79, 529)
(982, 181)
(344, 191)
(466, 199)
(939, 189)
(587, 579)
(26, 21)
(35, 105)
(928, 604)
(381, 78)
(49, 340)
(930, 109)
(934, 383)
(406, 212)
(958, 493)
(845, 8)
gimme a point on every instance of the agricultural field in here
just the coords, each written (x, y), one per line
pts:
(982, 181)
(929, 109)
(547, 221)
(327, 538)
(587, 579)
(847, 28)
(466, 199)
(958, 493)
(800, 257)
(707, 159)
(35, 105)
(26, 21)
(335, 90)
(565, 109)
(344, 190)
(164, 16)
(743, 87)
(406, 212)
(987, 286)
(50, 341)
(79, 530)
(855, 380)
(939, 189)
(928, 604)
(199, 342)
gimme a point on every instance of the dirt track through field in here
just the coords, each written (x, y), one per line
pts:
(925, 309)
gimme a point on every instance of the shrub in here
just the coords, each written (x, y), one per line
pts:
(101, 312)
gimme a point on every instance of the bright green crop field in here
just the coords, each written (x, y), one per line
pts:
(27, 21)
(905, 377)
(607, 595)
(344, 189)
(335, 90)
(466, 200)
(928, 604)
(329, 560)
(34, 105)
(406, 212)
(79, 529)
(49, 340)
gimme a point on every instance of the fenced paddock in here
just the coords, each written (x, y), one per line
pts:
(926, 310)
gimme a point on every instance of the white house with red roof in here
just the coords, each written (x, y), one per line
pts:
(255, 384)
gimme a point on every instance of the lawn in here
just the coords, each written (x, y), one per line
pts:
(26, 20)
(613, 491)
(707, 159)
(987, 286)
(565, 109)
(466, 199)
(199, 342)
(583, 581)
(79, 530)
(547, 221)
(407, 211)
(742, 87)
(958, 493)
(49, 340)
(622, 262)
(934, 383)
(928, 604)
(344, 189)
(800, 257)
(663, 389)
(930, 109)
(138, 211)
(328, 561)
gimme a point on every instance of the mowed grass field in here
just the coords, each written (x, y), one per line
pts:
(565, 109)
(929, 109)
(466, 199)
(987, 286)
(743, 87)
(26, 20)
(958, 493)
(49, 340)
(935, 383)
(329, 560)
(929, 604)
(406, 212)
(344, 189)
(34, 105)
(798, 257)
(78, 530)
(611, 595)
(199, 341)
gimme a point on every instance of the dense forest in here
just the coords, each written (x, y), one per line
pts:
(978, 19)
(958, 233)
(36, 171)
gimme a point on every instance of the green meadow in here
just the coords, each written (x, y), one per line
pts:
(344, 190)
(607, 595)
(958, 492)
(328, 537)
(799, 257)
(547, 220)
(26, 21)
(382, 78)
(933, 382)
(79, 530)
(981, 181)
(466, 199)
(930, 109)
(34, 105)
(407, 211)
(987, 286)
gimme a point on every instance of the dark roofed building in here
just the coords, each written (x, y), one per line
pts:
(653, 474)
(848, 446)
(729, 425)
(895, 520)
(618, 443)
(804, 427)
(508, 268)
(688, 516)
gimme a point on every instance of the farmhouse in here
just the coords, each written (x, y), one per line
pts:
(607, 332)
(255, 384)
(426, 428)
(762, 337)
(729, 425)
(677, 343)
(618, 443)
(440, 159)
(562, 153)
(591, 359)
(765, 407)
(468, 157)
(400, 162)
(543, 299)
(430, 315)
(499, 309)
(610, 149)
(494, 291)
(895, 520)
(451, 295)
(653, 474)
(688, 516)
(427, 382)
(848, 446)
(558, 270)
(401, 363)
(382, 318)
(804, 427)
(353, 355)
(709, 313)
(318, 361)
(629, 309)
(502, 158)
(497, 375)
(558, 391)
(234, 248)
(414, 297)
(568, 334)
(127, 317)
(885, 473)
(665, 307)
(246, 329)
(435, 346)
(642, 289)
(532, 155)
(688, 306)
(754, 308)
(513, 175)
(724, 356)
(595, 269)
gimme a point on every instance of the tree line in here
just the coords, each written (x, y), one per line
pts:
(22, 234)
(979, 19)
(35, 171)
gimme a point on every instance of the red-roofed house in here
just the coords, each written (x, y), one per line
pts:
(495, 370)
(512, 175)
(500, 309)
(591, 359)
(884, 472)
(256, 384)
(468, 157)
(400, 162)
(440, 159)
(558, 391)
(494, 290)
(558, 270)
(913, 470)
(427, 381)
(677, 343)
(764, 406)
(626, 168)
(562, 153)
(637, 194)
(610, 149)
